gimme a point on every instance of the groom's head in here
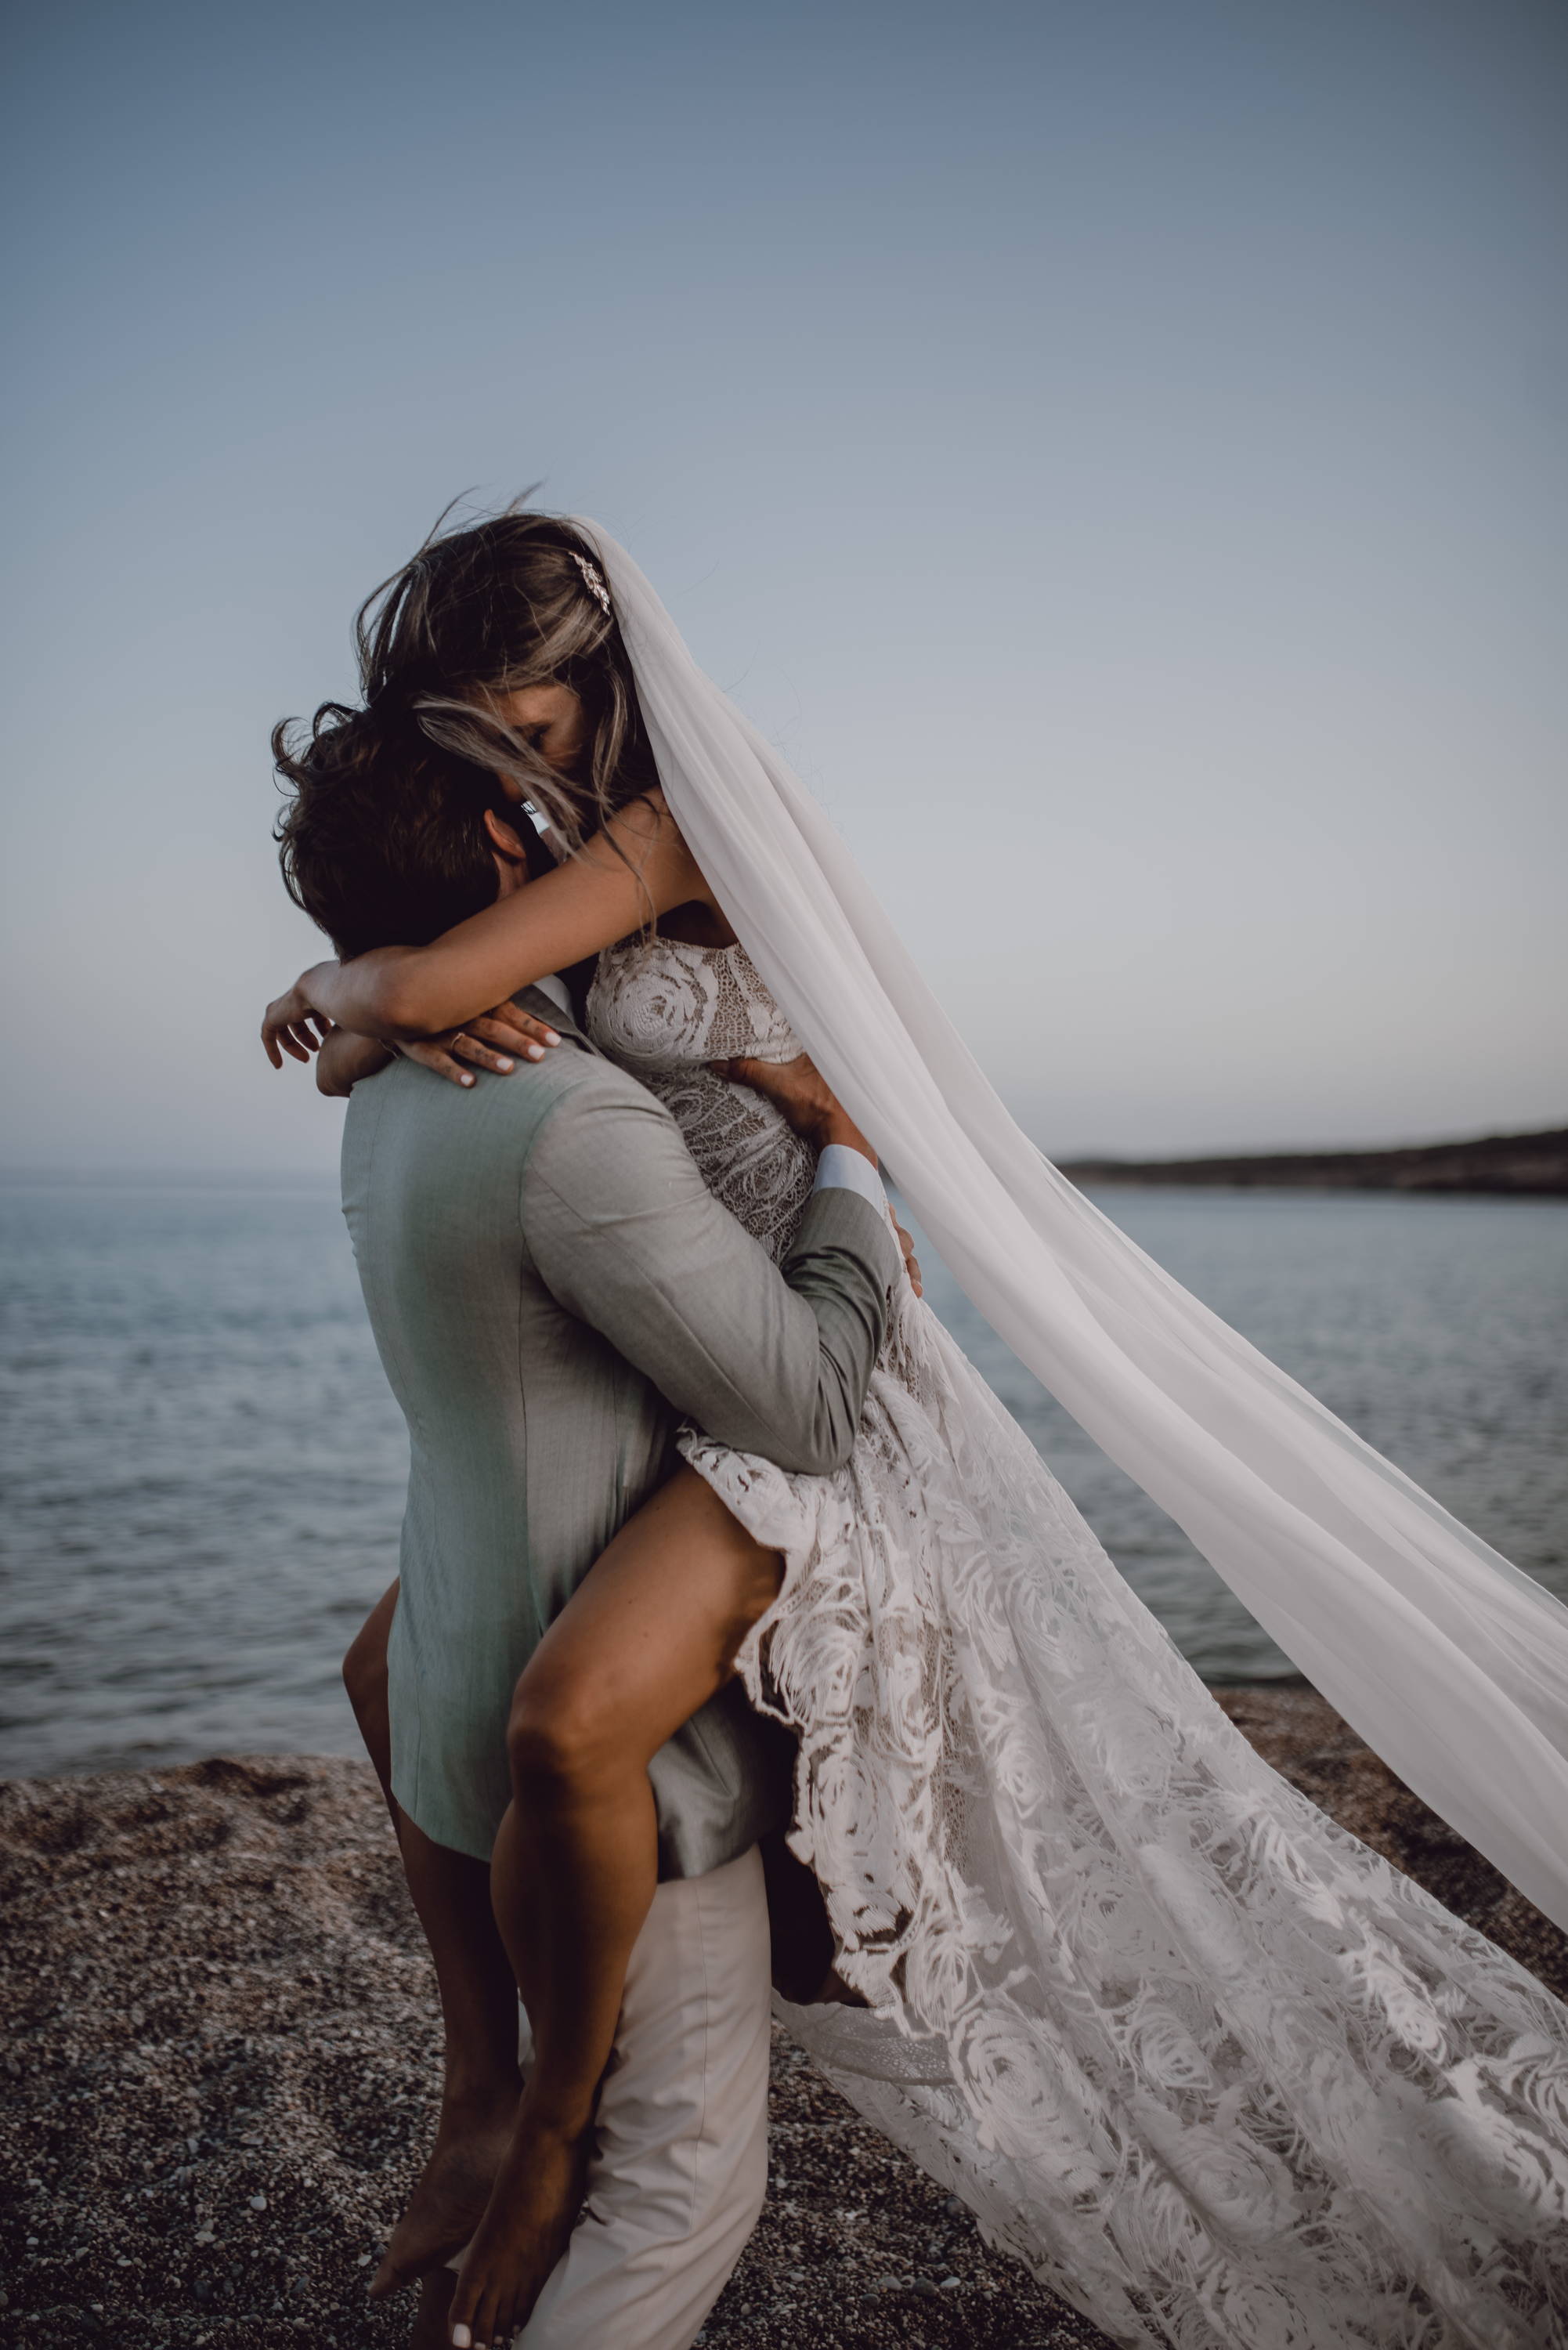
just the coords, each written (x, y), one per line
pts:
(387, 840)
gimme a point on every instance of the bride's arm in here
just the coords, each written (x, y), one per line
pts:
(636, 868)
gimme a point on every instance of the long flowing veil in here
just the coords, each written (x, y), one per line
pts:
(1449, 1660)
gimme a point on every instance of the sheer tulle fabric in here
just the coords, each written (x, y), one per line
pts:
(1207, 2064)
(1448, 1659)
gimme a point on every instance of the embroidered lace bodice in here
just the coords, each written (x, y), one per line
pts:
(1218, 2074)
(665, 1010)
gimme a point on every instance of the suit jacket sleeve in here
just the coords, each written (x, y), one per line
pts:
(627, 1236)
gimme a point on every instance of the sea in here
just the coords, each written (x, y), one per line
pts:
(202, 1467)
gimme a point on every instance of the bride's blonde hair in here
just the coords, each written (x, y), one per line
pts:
(482, 611)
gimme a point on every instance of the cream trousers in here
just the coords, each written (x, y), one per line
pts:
(680, 2163)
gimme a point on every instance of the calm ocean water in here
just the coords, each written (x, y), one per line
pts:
(203, 1468)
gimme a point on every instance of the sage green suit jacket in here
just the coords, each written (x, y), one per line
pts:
(553, 1288)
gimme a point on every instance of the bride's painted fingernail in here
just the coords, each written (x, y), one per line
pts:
(461, 2338)
(466, 1080)
(504, 1064)
(551, 1037)
(535, 1052)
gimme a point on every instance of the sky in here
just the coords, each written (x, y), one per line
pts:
(1115, 450)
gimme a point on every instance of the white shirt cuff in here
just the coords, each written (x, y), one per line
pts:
(840, 1168)
(559, 994)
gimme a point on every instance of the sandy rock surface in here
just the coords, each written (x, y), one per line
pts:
(221, 2051)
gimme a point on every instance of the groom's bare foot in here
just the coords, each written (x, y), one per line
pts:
(532, 2211)
(450, 2199)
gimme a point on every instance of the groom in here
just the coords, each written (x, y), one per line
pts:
(553, 1289)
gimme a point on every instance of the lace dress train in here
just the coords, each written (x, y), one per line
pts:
(1221, 2076)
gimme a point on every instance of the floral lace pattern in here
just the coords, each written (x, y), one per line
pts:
(1219, 2075)
(664, 1010)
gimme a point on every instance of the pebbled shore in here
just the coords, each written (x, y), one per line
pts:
(220, 2056)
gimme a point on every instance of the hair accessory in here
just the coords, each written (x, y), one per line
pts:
(595, 577)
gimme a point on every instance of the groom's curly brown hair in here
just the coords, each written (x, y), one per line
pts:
(383, 841)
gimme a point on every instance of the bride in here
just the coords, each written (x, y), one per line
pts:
(1218, 2074)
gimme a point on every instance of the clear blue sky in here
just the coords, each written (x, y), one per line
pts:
(1117, 450)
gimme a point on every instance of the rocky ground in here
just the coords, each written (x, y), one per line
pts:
(220, 2059)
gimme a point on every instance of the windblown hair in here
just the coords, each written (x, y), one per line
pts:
(383, 840)
(482, 611)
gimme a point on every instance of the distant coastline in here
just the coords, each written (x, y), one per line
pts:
(1528, 1165)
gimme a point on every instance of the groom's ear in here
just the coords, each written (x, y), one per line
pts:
(507, 841)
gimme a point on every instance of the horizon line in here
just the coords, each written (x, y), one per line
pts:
(108, 1171)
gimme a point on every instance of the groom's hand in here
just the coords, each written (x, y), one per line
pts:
(798, 1089)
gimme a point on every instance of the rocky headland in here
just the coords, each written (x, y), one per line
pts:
(1530, 1164)
(221, 2053)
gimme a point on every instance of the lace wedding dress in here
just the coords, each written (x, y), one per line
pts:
(1220, 2075)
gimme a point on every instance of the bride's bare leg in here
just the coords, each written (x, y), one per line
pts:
(648, 1636)
(478, 1996)
(364, 1679)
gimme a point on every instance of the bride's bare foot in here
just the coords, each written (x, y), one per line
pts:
(448, 2203)
(532, 2209)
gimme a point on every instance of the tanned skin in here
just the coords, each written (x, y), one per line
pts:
(651, 1634)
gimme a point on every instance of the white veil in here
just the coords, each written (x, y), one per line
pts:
(1450, 1662)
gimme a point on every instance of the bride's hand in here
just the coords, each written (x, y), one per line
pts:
(286, 1026)
(291, 1024)
(496, 1041)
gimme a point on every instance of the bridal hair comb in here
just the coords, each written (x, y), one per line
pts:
(594, 578)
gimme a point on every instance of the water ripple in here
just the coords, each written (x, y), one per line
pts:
(203, 1469)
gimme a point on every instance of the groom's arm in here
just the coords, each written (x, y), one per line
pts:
(627, 1237)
